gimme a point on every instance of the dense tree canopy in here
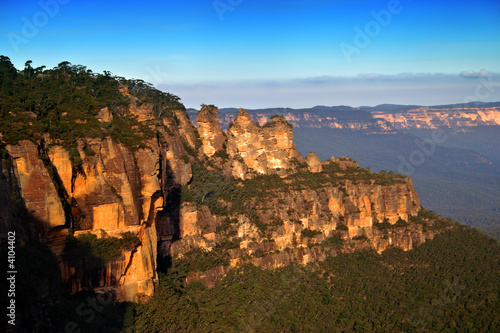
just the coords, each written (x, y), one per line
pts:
(449, 284)
(64, 102)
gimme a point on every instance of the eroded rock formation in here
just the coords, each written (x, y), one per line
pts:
(211, 134)
(108, 189)
(261, 150)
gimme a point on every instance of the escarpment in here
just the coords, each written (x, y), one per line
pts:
(103, 193)
(146, 187)
(111, 191)
(429, 117)
(302, 218)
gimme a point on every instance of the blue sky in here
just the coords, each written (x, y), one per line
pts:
(252, 53)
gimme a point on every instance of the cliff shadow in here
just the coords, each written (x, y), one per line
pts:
(168, 218)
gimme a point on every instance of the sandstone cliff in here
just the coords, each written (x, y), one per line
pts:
(310, 118)
(426, 117)
(269, 205)
(37, 188)
(293, 224)
(106, 188)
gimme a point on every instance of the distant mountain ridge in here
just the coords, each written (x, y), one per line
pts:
(372, 119)
(380, 107)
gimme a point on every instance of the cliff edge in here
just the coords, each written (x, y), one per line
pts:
(121, 191)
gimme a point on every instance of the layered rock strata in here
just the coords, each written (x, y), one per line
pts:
(357, 208)
(109, 189)
(425, 117)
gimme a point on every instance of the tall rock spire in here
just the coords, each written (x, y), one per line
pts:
(210, 132)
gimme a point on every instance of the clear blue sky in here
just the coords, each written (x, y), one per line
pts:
(253, 53)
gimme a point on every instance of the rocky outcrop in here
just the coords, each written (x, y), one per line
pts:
(110, 189)
(148, 163)
(14, 217)
(313, 162)
(260, 150)
(184, 127)
(108, 192)
(105, 115)
(211, 134)
(143, 111)
(131, 274)
(354, 119)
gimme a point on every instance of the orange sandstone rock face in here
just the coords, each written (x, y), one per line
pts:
(263, 150)
(140, 274)
(143, 111)
(116, 192)
(107, 187)
(108, 217)
(314, 162)
(149, 169)
(37, 188)
(130, 275)
(185, 127)
(105, 115)
(368, 202)
(189, 221)
(209, 129)
(323, 210)
(61, 161)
